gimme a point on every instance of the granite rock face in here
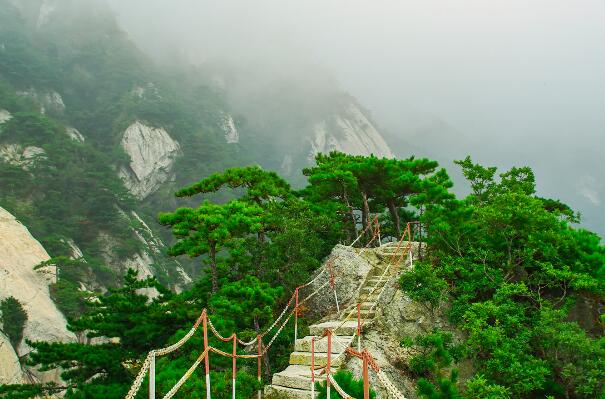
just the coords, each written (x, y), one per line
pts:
(349, 270)
(350, 131)
(152, 154)
(10, 372)
(19, 253)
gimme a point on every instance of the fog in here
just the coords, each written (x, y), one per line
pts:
(515, 82)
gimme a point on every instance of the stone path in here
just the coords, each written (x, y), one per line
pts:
(295, 381)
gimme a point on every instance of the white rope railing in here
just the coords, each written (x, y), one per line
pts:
(390, 387)
(338, 388)
(149, 362)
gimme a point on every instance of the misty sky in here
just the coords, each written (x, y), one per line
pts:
(509, 82)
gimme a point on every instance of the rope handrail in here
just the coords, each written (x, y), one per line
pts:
(407, 249)
(149, 362)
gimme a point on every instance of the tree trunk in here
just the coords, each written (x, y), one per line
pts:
(351, 216)
(260, 272)
(395, 216)
(213, 268)
(365, 212)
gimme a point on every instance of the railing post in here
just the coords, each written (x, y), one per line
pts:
(333, 285)
(234, 363)
(359, 327)
(260, 355)
(328, 363)
(366, 381)
(206, 362)
(152, 376)
(296, 318)
(313, 368)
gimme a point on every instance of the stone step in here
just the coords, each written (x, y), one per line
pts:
(321, 359)
(371, 290)
(367, 305)
(348, 328)
(321, 345)
(367, 314)
(276, 391)
(297, 377)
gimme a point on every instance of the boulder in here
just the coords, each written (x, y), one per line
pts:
(350, 269)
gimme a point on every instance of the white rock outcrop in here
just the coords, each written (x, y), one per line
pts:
(142, 263)
(228, 126)
(47, 100)
(351, 132)
(10, 372)
(16, 155)
(351, 270)
(74, 134)
(4, 116)
(19, 253)
(152, 153)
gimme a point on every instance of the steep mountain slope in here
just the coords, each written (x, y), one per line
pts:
(95, 138)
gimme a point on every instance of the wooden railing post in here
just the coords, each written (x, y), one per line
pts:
(206, 362)
(152, 376)
(359, 327)
(295, 318)
(328, 363)
(313, 368)
(260, 356)
(366, 381)
(234, 363)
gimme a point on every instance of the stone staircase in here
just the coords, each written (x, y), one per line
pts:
(295, 381)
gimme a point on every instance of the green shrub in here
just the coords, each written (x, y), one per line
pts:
(423, 285)
(13, 319)
(345, 380)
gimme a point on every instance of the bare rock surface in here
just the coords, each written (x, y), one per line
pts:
(19, 253)
(5, 116)
(351, 132)
(350, 270)
(152, 154)
(10, 372)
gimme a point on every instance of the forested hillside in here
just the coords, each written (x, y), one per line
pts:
(522, 286)
(157, 191)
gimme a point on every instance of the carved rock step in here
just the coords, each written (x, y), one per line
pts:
(321, 345)
(371, 289)
(321, 359)
(348, 328)
(276, 391)
(297, 377)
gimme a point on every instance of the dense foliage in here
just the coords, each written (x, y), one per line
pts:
(519, 281)
(347, 382)
(517, 275)
(12, 318)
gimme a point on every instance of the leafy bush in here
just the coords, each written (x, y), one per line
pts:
(423, 285)
(13, 319)
(347, 382)
(479, 388)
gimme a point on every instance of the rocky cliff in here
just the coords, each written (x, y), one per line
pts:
(19, 254)
(10, 372)
(348, 131)
(152, 153)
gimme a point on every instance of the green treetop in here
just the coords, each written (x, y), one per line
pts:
(209, 227)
